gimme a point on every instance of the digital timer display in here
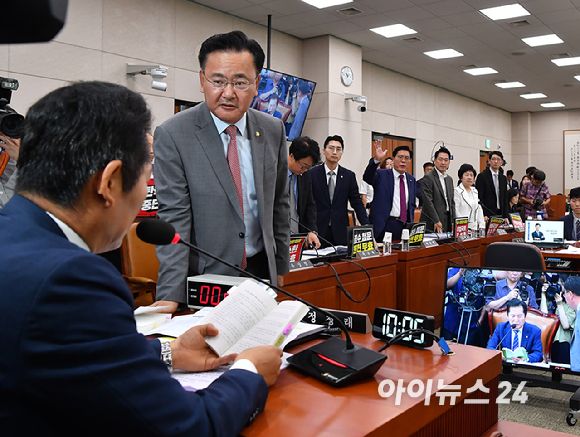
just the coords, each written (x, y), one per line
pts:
(209, 290)
(389, 323)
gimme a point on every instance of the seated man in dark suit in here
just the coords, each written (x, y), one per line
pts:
(272, 105)
(572, 220)
(333, 186)
(516, 332)
(512, 183)
(71, 349)
(304, 153)
(390, 211)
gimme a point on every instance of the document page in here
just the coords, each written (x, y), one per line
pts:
(237, 314)
(270, 329)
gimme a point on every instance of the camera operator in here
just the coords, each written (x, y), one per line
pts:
(513, 287)
(10, 133)
(535, 196)
(10, 147)
(561, 345)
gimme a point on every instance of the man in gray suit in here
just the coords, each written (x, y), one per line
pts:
(221, 171)
(437, 190)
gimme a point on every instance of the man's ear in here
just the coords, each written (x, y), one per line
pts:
(110, 183)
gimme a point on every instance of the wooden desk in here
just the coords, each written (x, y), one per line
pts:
(421, 276)
(318, 285)
(302, 406)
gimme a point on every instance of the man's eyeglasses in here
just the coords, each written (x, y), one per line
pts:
(334, 149)
(304, 167)
(221, 84)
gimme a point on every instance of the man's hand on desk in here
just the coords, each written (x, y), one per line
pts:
(171, 306)
(267, 360)
(190, 352)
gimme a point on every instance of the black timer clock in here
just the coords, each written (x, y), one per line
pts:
(209, 290)
(388, 323)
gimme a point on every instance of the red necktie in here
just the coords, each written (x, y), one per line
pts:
(234, 163)
(403, 198)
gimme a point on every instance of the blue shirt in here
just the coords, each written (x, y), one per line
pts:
(575, 348)
(253, 238)
(502, 289)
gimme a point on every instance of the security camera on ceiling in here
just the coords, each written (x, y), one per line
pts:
(157, 72)
(358, 99)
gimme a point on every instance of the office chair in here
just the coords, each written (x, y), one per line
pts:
(515, 256)
(140, 267)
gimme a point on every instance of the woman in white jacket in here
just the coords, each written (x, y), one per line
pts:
(467, 199)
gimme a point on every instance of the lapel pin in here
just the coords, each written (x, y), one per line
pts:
(257, 134)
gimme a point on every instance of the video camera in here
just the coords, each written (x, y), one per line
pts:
(538, 203)
(476, 286)
(10, 120)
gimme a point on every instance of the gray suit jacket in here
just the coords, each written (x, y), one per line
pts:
(434, 200)
(196, 194)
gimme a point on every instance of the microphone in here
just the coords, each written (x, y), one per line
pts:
(513, 326)
(320, 237)
(485, 207)
(335, 361)
(432, 230)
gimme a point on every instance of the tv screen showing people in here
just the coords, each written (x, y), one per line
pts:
(528, 315)
(286, 97)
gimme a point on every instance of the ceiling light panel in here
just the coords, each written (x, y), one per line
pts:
(321, 4)
(443, 54)
(505, 12)
(394, 30)
(533, 96)
(506, 85)
(480, 71)
(544, 40)
(552, 105)
(563, 62)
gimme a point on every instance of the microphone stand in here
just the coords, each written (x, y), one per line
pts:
(338, 362)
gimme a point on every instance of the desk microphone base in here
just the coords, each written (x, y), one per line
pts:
(332, 363)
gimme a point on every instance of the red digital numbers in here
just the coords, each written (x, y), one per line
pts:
(214, 298)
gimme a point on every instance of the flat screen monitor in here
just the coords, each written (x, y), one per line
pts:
(286, 97)
(544, 231)
(470, 294)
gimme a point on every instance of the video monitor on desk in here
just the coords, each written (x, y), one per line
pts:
(470, 294)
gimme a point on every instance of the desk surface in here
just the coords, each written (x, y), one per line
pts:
(300, 405)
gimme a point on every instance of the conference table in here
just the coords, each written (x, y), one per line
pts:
(410, 281)
(299, 405)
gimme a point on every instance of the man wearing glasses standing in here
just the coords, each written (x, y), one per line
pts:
(491, 186)
(222, 175)
(394, 190)
(334, 187)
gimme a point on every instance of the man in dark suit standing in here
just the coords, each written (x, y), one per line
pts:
(512, 183)
(71, 348)
(427, 167)
(394, 201)
(333, 186)
(221, 172)
(437, 188)
(491, 186)
(304, 153)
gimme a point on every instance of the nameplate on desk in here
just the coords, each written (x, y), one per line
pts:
(355, 322)
(299, 265)
(501, 232)
(430, 243)
(464, 238)
(518, 240)
(367, 254)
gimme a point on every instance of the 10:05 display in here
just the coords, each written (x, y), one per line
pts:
(388, 323)
(391, 327)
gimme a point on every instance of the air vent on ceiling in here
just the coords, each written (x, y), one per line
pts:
(349, 12)
(519, 23)
(560, 55)
(518, 53)
(568, 85)
(413, 39)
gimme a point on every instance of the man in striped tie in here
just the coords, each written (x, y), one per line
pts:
(516, 332)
